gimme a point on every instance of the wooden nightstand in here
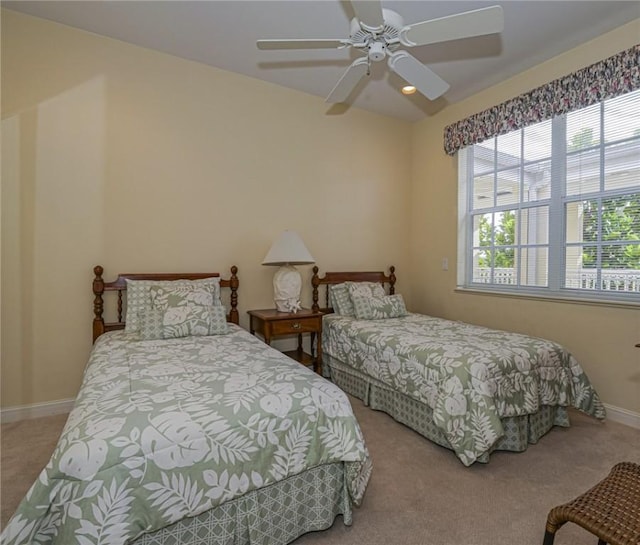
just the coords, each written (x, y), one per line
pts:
(271, 323)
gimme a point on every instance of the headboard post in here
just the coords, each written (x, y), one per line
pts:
(98, 303)
(392, 280)
(315, 282)
(233, 285)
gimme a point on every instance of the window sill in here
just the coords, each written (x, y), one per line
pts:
(554, 298)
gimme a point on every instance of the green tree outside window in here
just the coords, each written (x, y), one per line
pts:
(504, 234)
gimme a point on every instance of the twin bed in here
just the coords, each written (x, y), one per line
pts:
(468, 388)
(187, 429)
(193, 431)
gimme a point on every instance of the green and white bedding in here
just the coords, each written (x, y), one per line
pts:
(470, 377)
(168, 429)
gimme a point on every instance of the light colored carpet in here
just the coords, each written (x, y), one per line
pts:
(26, 447)
(419, 493)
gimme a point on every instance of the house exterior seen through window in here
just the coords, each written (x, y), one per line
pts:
(554, 208)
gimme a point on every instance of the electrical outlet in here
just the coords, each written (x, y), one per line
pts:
(445, 263)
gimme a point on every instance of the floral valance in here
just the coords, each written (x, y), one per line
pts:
(605, 79)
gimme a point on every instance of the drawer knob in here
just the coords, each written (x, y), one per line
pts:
(296, 325)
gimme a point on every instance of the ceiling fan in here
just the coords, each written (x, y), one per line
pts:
(378, 33)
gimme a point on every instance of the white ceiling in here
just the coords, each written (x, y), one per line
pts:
(224, 33)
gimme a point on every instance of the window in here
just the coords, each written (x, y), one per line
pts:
(554, 208)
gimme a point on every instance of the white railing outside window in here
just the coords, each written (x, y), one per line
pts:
(586, 279)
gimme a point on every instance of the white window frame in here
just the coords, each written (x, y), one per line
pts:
(557, 221)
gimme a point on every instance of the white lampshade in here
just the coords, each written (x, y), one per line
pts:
(286, 251)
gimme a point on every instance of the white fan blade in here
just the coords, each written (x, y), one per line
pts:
(348, 81)
(301, 44)
(461, 25)
(417, 74)
(369, 14)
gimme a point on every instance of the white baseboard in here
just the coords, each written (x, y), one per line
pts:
(623, 416)
(36, 410)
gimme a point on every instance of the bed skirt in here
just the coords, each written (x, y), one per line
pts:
(276, 514)
(519, 431)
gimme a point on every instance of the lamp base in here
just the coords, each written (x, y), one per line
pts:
(287, 284)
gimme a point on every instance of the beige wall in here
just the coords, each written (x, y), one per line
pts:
(601, 337)
(139, 161)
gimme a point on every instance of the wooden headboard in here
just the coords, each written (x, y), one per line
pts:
(351, 276)
(120, 285)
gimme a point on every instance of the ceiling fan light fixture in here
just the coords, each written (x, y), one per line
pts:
(408, 90)
(377, 51)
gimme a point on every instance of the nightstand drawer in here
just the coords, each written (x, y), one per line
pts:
(284, 327)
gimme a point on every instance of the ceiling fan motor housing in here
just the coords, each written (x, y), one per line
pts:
(377, 51)
(390, 31)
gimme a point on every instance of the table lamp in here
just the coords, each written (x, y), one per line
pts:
(288, 250)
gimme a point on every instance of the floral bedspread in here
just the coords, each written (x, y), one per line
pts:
(470, 376)
(163, 430)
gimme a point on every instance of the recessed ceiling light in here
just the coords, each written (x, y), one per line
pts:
(408, 90)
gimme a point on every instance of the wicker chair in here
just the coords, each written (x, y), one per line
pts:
(610, 510)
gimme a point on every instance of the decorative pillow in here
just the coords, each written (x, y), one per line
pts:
(179, 296)
(194, 321)
(218, 320)
(150, 324)
(138, 301)
(340, 300)
(185, 309)
(185, 321)
(378, 308)
(366, 289)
